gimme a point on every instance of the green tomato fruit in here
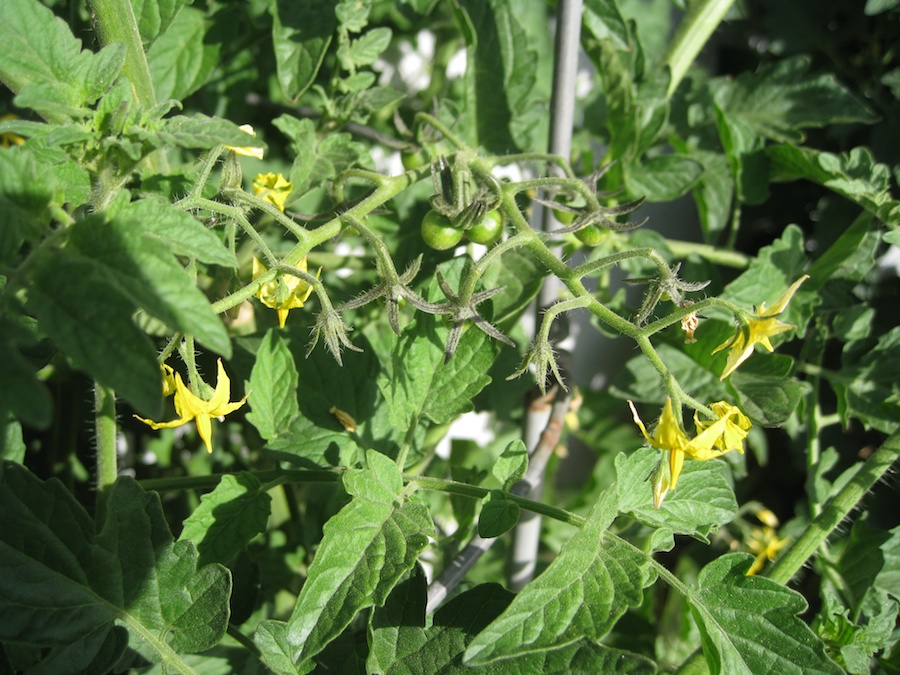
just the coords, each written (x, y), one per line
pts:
(568, 217)
(438, 232)
(592, 235)
(413, 159)
(488, 230)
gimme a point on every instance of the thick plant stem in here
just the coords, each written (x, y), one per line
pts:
(693, 33)
(105, 429)
(836, 510)
(116, 23)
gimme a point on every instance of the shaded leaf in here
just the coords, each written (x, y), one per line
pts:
(869, 384)
(366, 548)
(20, 390)
(62, 583)
(780, 99)
(854, 175)
(273, 387)
(301, 31)
(227, 518)
(146, 272)
(662, 178)
(499, 514)
(180, 231)
(397, 628)
(582, 594)
(90, 320)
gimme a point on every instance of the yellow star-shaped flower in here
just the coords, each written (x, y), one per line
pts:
(189, 407)
(714, 438)
(758, 330)
(273, 187)
(765, 544)
(247, 151)
(285, 293)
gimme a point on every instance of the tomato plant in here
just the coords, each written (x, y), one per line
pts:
(438, 232)
(251, 421)
(488, 230)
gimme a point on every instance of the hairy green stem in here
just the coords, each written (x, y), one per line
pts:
(116, 23)
(838, 508)
(276, 476)
(105, 429)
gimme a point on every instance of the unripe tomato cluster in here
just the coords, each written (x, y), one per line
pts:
(441, 234)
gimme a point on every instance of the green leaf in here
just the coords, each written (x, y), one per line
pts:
(26, 189)
(581, 595)
(713, 193)
(397, 628)
(366, 548)
(164, 588)
(20, 390)
(353, 16)
(154, 18)
(62, 583)
(199, 132)
(440, 648)
(512, 463)
(271, 638)
(776, 267)
(40, 53)
(662, 178)
(147, 273)
(228, 518)
(91, 320)
(749, 624)
(315, 162)
(746, 161)
(869, 384)
(502, 98)
(183, 58)
(273, 387)
(365, 50)
(778, 100)
(854, 175)
(767, 400)
(499, 514)
(603, 21)
(180, 231)
(521, 276)
(703, 500)
(316, 438)
(419, 384)
(692, 365)
(301, 31)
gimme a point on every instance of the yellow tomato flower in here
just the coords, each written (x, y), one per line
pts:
(8, 139)
(189, 407)
(169, 387)
(758, 330)
(273, 187)
(247, 151)
(765, 544)
(714, 438)
(284, 293)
